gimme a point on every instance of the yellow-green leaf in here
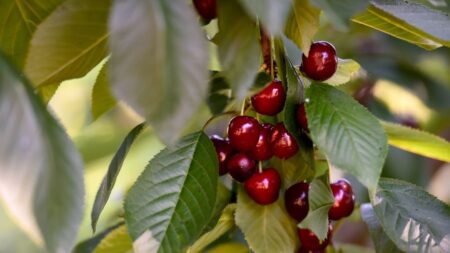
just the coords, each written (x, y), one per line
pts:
(102, 98)
(302, 24)
(417, 141)
(118, 241)
(69, 43)
(225, 223)
(229, 247)
(347, 69)
(267, 229)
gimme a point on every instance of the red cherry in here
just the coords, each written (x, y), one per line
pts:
(262, 149)
(241, 167)
(270, 100)
(310, 241)
(301, 117)
(296, 200)
(243, 133)
(344, 200)
(223, 150)
(283, 144)
(206, 8)
(321, 62)
(263, 187)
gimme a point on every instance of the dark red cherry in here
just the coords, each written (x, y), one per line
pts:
(206, 8)
(296, 200)
(321, 62)
(344, 200)
(310, 241)
(283, 144)
(262, 150)
(270, 100)
(263, 187)
(223, 150)
(241, 167)
(243, 133)
(301, 117)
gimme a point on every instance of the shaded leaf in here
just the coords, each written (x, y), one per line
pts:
(346, 70)
(302, 24)
(89, 245)
(102, 98)
(69, 43)
(147, 39)
(114, 168)
(219, 94)
(41, 172)
(172, 201)
(18, 22)
(267, 229)
(340, 12)
(350, 136)
(117, 241)
(222, 200)
(417, 141)
(239, 51)
(412, 218)
(225, 223)
(47, 92)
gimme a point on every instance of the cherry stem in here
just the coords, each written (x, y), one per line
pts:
(260, 169)
(271, 58)
(244, 104)
(217, 116)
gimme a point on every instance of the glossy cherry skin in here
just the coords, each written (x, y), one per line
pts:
(264, 187)
(241, 167)
(301, 117)
(283, 144)
(223, 150)
(344, 200)
(270, 100)
(243, 133)
(321, 62)
(310, 241)
(206, 8)
(262, 150)
(296, 200)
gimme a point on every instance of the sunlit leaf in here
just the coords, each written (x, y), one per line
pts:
(41, 172)
(117, 241)
(172, 201)
(346, 70)
(69, 43)
(89, 245)
(159, 62)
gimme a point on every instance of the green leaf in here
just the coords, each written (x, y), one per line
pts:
(380, 240)
(89, 245)
(340, 12)
(117, 241)
(159, 62)
(302, 24)
(346, 70)
(225, 223)
(41, 179)
(222, 200)
(69, 43)
(418, 142)
(271, 13)
(411, 22)
(172, 201)
(267, 229)
(239, 51)
(350, 136)
(351, 248)
(114, 168)
(219, 94)
(102, 98)
(18, 21)
(229, 247)
(320, 200)
(412, 218)
(47, 92)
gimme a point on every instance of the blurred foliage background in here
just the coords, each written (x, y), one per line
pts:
(400, 83)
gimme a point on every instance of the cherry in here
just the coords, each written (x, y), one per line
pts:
(241, 167)
(243, 133)
(263, 187)
(344, 200)
(310, 241)
(301, 117)
(270, 100)
(206, 8)
(296, 200)
(223, 150)
(262, 149)
(321, 62)
(283, 144)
